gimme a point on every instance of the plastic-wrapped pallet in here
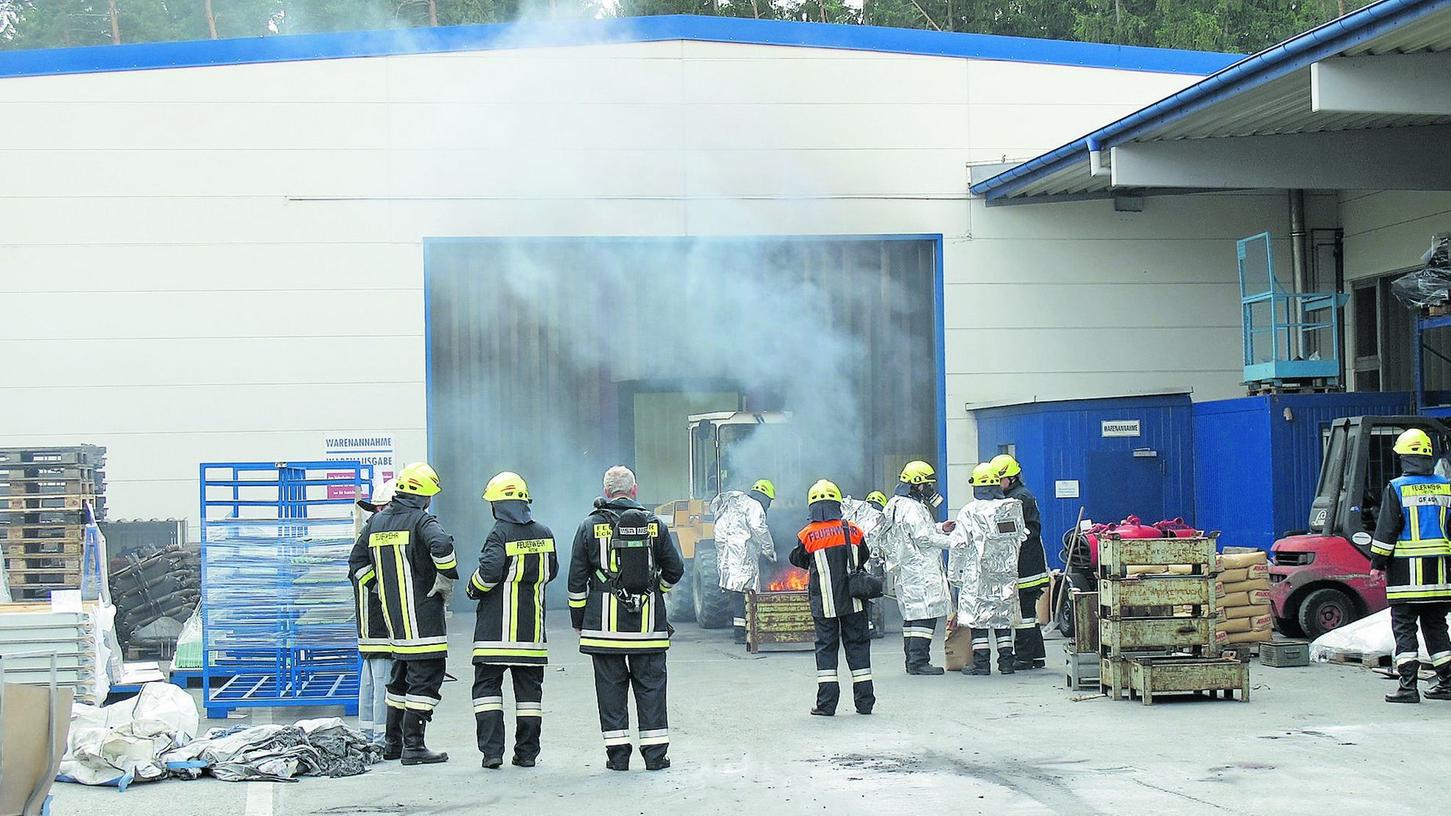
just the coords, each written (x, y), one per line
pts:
(1243, 597)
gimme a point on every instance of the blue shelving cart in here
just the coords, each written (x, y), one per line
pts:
(277, 607)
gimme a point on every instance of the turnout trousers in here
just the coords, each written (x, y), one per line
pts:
(615, 676)
(738, 616)
(851, 632)
(1028, 636)
(489, 709)
(983, 641)
(1431, 618)
(917, 641)
(413, 693)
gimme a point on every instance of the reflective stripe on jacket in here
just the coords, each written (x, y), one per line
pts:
(403, 549)
(517, 561)
(1410, 541)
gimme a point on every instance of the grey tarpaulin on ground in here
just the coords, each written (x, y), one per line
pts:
(278, 753)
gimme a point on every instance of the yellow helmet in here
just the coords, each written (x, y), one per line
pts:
(1006, 466)
(1414, 442)
(765, 488)
(505, 486)
(878, 498)
(823, 491)
(419, 479)
(985, 475)
(918, 472)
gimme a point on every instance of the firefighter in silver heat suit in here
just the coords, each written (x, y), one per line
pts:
(742, 539)
(913, 542)
(868, 516)
(983, 565)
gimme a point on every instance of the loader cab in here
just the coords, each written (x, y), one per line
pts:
(729, 450)
(1359, 461)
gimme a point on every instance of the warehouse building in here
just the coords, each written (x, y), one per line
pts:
(541, 246)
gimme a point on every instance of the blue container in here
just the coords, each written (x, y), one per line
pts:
(1112, 457)
(1257, 459)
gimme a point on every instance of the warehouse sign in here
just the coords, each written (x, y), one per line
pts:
(374, 449)
(1121, 427)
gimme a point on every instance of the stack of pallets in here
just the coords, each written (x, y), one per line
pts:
(1157, 620)
(44, 493)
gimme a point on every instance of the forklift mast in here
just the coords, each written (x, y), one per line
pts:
(1359, 462)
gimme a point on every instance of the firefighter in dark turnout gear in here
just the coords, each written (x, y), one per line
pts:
(516, 563)
(405, 556)
(1410, 552)
(622, 564)
(830, 548)
(1032, 566)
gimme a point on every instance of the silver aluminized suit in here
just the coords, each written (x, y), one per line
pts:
(868, 518)
(912, 546)
(741, 540)
(983, 562)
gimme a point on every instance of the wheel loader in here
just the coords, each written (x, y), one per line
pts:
(729, 450)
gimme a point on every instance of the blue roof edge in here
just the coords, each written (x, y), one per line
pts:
(301, 47)
(1250, 72)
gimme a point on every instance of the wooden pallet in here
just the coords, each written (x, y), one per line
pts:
(92, 455)
(41, 562)
(1274, 387)
(35, 592)
(51, 547)
(34, 504)
(50, 577)
(34, 487)
(1369, 661)
(48, 473)
(28, 533)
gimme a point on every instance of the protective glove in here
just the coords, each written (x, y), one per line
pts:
(442, 587)
(769, 554)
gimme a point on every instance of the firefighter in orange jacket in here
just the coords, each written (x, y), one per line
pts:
(829, 548)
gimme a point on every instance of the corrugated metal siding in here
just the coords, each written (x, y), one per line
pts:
(1255, 470)
(537, 347)
(1063, 441)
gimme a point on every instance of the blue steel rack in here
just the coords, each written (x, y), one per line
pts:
(1280, 325)
(277, 608)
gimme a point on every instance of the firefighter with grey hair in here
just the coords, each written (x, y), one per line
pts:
(623, 563)
(913, 543)
(983, 565)
(742, 539)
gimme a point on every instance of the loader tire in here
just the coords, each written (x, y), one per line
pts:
(712, 604)
(680, 601)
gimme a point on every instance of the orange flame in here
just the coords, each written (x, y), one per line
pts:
(792, 580)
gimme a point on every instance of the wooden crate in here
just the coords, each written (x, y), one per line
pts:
(1113, 676)
(1144, 634)
(779, 622)
(1084, 606)
(1151, 676)
(1116, 555)
(1155, 590)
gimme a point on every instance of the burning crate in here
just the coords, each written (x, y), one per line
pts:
(779, 618)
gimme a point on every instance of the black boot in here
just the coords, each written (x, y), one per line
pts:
(926, 669)
(1442, 689)
(414, 751)
(981, 663)
(1406, 692)
(739, 635)
(1007, 664)
(393, 734)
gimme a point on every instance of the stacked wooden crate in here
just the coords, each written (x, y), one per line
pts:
(1147, 644)
(44, 495)
(1244, 599)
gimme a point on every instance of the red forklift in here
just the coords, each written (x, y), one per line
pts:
(1320, 578)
